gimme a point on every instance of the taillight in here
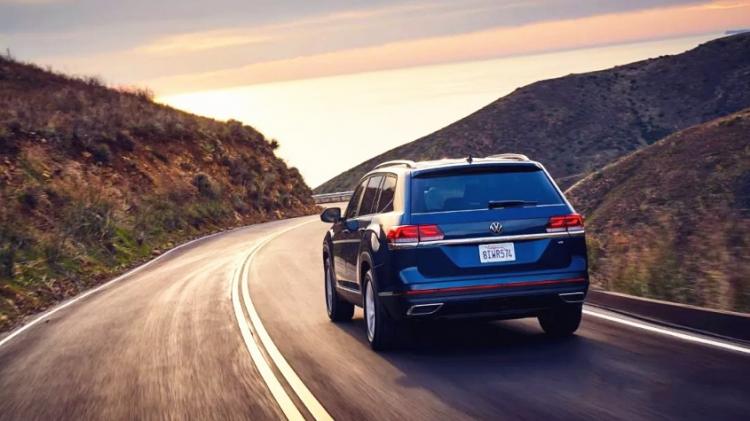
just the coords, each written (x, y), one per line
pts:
(564, 222)
(430, 233)
(414, 233)
(404, 234)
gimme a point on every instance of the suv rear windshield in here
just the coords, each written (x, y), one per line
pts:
(478, 187)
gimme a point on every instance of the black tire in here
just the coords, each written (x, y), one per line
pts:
(338, 309)
(386, 330)
(561, 321)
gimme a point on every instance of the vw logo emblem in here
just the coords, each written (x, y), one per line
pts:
(496, 228)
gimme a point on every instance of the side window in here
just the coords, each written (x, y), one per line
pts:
(370, 196)
(387, 193)
(351, 210)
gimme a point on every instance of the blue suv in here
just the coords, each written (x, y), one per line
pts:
(486, 238)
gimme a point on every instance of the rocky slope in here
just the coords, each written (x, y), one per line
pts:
(94, 180)
(672, 220)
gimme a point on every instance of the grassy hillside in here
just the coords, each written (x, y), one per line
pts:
(578, 123)
(94, 180)
(672, 221)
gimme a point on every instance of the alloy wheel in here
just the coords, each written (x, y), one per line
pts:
(329, 291)
(370, 311)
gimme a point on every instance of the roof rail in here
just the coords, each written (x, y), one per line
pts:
(510, 156)
(405, 162)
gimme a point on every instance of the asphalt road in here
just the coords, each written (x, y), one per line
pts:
(177, 340)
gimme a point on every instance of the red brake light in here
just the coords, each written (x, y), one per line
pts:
(414, 233)
(564, 222)
(430, 233)
(404, 234)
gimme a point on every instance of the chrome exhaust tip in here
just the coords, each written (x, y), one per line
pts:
(424, 309)
(573, 297)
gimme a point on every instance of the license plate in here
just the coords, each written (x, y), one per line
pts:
(500, 252)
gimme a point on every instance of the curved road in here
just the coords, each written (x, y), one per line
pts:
(234, 327)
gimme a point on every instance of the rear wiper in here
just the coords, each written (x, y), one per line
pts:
(499, 204)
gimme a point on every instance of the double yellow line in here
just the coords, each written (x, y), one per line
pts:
(257, 339)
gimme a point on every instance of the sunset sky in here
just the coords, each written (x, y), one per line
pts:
(360, 76)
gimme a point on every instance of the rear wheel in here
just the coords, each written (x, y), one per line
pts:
(338, 310)
(382, 331)
(561, 321)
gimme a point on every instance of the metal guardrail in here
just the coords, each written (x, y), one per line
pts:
(342, 196)
(724, 324)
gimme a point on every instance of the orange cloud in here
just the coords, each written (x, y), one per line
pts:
(722, 5)
(200, 41)
(498, 42)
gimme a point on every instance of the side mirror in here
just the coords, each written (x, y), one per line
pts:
(331, 215)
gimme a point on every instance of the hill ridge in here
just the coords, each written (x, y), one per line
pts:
(672, 220)
(577, 123)
(94, 180)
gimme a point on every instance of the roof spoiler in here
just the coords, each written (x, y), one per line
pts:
(510, 156)
(405, 162)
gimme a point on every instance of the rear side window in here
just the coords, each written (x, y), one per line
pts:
(456, 191)
(370, 195)
(351, 210)
(387, 193)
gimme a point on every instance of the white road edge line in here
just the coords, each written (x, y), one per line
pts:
(103, 286)
(308, 399)
(668, 332)
(274, 386)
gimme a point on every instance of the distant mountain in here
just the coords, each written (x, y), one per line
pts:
(672, 220)
(578, 123)
(93, 180)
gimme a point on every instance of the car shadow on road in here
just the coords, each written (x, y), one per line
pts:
(484, 360)
(477, 367)
(464, 337)
(511, 369)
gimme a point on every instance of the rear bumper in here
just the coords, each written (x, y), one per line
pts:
(507, 300)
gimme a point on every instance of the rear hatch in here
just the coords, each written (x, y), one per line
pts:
(480, 208)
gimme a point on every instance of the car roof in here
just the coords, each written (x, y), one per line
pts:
(401, 167)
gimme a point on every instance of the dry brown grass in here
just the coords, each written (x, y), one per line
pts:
(672, 221)
(94, 180)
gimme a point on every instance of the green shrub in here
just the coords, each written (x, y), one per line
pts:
(7, 262)
(160, 155)
(14, 127)
(29, 198)
(204, 213)
(158, 217)
(205, 185)
(8, 145)
(241, 172)
(11, 242)
(90, 224)
(240, 205)
(148, 130)
(101, 153)
(125, 141)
